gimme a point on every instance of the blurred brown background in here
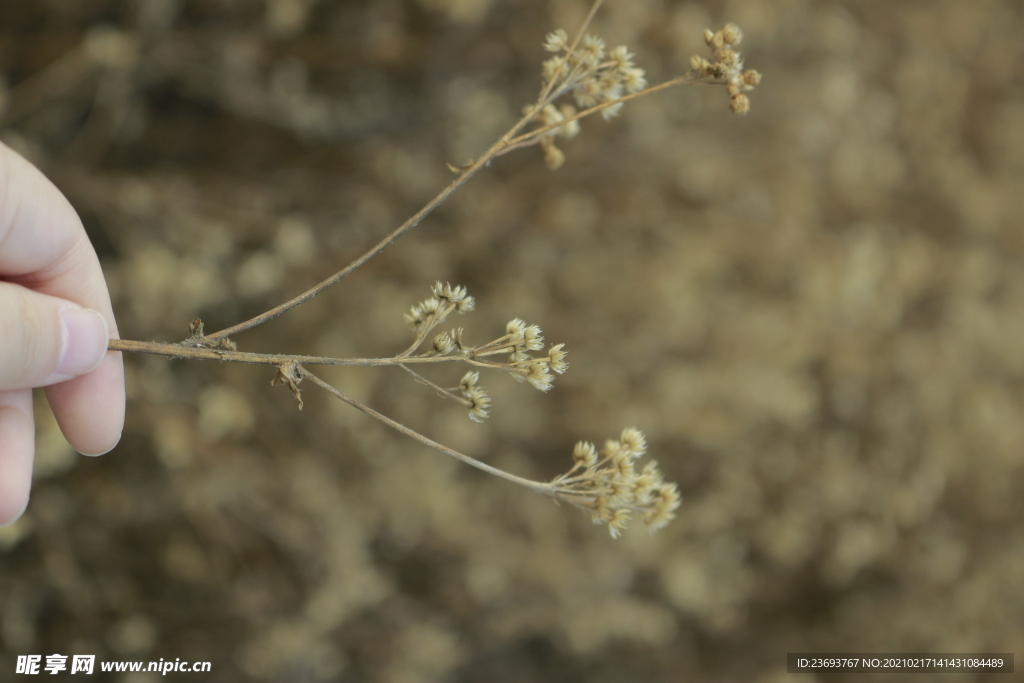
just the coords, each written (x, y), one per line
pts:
(815, 312)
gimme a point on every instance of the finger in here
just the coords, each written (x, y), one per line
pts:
(47, 340)
(92, 426)
(43, 246)
(42, 242)
(17, 446)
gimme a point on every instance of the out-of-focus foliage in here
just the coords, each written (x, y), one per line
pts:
(814, 312)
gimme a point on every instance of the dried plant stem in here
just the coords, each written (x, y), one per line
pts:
(497, 149)
(412, 222)
(610, 489)
(436, 387)
(507, 143)
(540, 487)
(202, 353)
(511, 140)
(465, 174)
(545, 93)
(531, 138)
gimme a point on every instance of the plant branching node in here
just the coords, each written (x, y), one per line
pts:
(197, 338)
(195, 333)
(288, 373)
(459, 170)
(224, 344)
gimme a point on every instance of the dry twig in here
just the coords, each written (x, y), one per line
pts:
(606, 485)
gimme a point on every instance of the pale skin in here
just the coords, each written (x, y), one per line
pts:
(55, 322)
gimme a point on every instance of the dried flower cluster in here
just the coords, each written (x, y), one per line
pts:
(608, 486)
(602, 80)
(518, 342)
(479, 403)
(426, 315)
(599, 80)
(593, 75)
(726, 66)
(551, 115)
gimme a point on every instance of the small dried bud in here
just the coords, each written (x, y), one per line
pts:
(664, 502)
(728, 57)
(556, 41)
(469, 381)
(457, 338)
(611, 111)
(588, 93)
(446, 292)
(571, 129)
(731, 34)
(539, 375)
(554, 158)
(751, 78)
(584, 454)
(622, 57)
(443, 343)
(623, 467)
(556, 357)
(430, 306)
(592, 51)
(633, 80)
(554, 69)
(414, 318)
(550, 115)
(480, 404)
(533, 338)
(740, 104)
(619, 493)
(632, 440)
(645, 483)
(610, 86)
(618, 522)
(709, 37)
(519, 356)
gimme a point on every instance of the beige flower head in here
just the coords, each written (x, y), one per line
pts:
(725, 67)
(607, 486)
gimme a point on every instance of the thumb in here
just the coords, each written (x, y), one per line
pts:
(46, 340)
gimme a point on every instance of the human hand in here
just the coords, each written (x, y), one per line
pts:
(55, 321)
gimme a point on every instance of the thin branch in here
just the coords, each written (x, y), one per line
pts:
(497, 149)
(202, 353)
(444, 393)
(540, 487)
(527, 139)
(546, 91)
